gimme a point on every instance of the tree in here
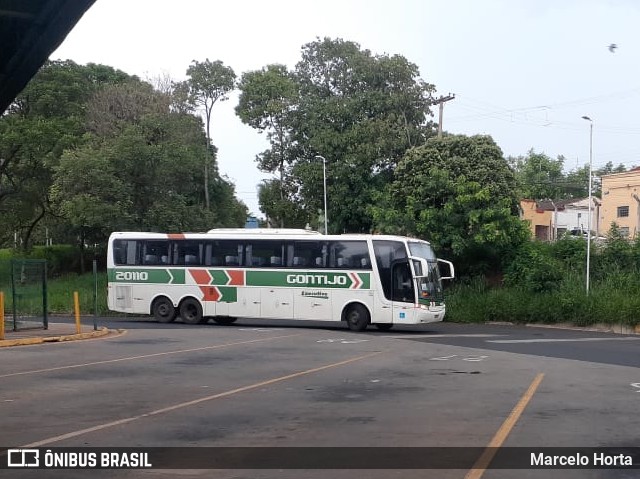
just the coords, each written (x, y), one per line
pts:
(358, 110)
(267, 100)
(140, 170)
(607, 169)
(361, 112)
(539, 177)
(43, 121)
(457, 192)
(279, 205)
(208, 83)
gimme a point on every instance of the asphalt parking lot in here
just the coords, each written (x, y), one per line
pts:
(282, 384)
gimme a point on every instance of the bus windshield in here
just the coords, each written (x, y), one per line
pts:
(429, 283)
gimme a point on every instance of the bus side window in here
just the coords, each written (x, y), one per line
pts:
(188, 253)
(348, 254)
(267, 253)
(125, 252)
(222, 253)
(154, 250)
(306, 254)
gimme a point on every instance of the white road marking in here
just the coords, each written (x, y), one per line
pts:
(475, 359)
(342, 341)
(554, 340)
(145, 356)
(443, 358)
(637, 386)
(262, 330)
(438, 336)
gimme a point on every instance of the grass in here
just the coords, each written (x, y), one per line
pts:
(615, 300)
(60, 295)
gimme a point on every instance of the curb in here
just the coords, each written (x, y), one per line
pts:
(595, 328)
(54, 339)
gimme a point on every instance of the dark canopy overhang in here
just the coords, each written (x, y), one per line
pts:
(30, 30)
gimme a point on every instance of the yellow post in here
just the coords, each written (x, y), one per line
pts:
(76, 306)
(1, 315)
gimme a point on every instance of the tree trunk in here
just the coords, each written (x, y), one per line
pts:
(206, 183)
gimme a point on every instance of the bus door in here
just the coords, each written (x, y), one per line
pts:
(403, 291)
(395, 303)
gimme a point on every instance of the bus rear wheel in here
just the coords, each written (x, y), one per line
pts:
(163, 310)
(357, 317)
(224, 320)
(191, 311)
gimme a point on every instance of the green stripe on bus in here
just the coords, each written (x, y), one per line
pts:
(161, 276)
(305, 279)
(228, 294)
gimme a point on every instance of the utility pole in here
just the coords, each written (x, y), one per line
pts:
(440, 102)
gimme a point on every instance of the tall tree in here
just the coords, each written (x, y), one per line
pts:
(141, 170)
(358, 110)
(267, 99)
(361, 112)
(208, 83)
(44, 120)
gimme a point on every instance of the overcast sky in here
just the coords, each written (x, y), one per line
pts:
(524, 72)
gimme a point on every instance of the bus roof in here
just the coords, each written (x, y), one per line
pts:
(259, 233)
(264, 231)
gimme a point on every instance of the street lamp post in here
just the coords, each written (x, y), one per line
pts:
(590, 200)
(324, 178)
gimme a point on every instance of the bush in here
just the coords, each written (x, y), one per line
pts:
(534, 268)
(61, 259)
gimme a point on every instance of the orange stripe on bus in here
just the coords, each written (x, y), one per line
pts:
(201, 276)
(236, 277)
(176, 236)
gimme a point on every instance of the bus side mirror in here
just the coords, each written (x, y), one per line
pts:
(452, 273)
(420, 267)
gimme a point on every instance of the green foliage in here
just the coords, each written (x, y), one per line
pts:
(281, 210)
(615, 300)
(46, 119)
(456, 192)
(534, 269)
(545, 283)
(358, 110)
(61, 258)
(147, 177)
(89, 149)
(539, 177)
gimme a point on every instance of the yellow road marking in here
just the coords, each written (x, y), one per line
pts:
(197, 401)
(145, 356)
(490, 451)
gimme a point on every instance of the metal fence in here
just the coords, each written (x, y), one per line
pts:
(24, 282)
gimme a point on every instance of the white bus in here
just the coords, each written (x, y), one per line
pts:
(227, 274)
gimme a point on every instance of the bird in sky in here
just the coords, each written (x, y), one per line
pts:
(612, 47)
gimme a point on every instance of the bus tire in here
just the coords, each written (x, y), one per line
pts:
(163, 310)
(384, 326)
(224, 320)
(357, 317)
(191, 311)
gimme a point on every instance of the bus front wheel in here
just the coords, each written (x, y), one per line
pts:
(191, 311)
(163, 310)
(357, 317)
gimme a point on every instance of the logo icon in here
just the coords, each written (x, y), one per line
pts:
(23, 457)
